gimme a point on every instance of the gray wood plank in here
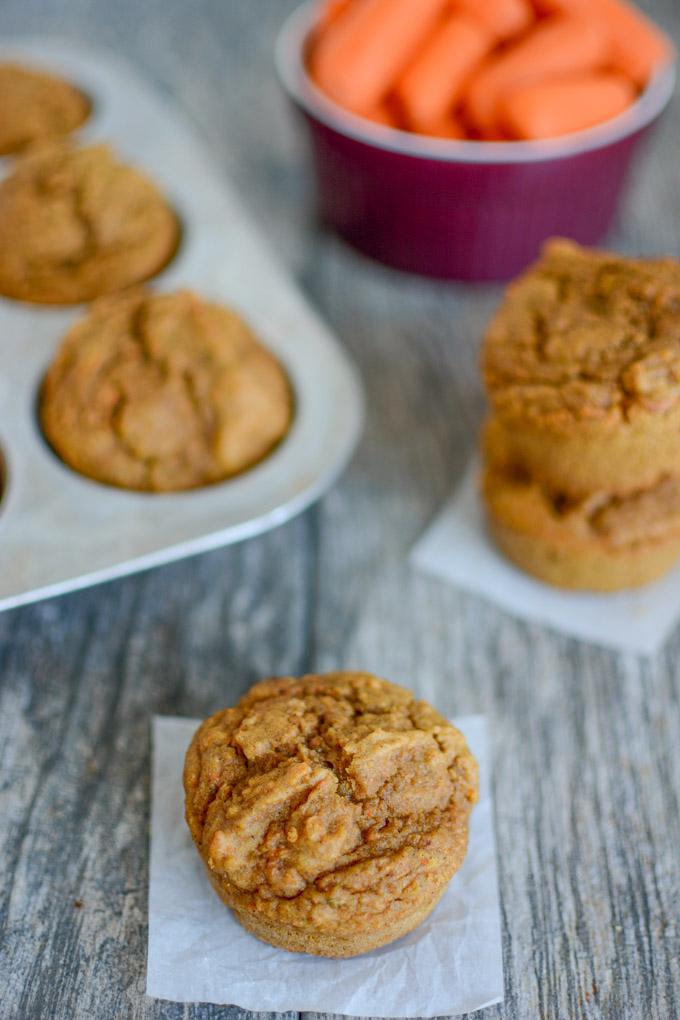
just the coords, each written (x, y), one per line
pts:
(586, 772)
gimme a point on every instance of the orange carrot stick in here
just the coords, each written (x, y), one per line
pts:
(559, 106)
(557, 46)
(575, 7)
(448, 127)
(361, 55)
(331, 11)
(502, 18)
(433, 82)
(382, 115)
(638, 45)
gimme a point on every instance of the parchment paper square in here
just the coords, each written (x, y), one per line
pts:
(198, 953)
(457, 548)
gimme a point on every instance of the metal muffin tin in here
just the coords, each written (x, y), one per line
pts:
(59, 530)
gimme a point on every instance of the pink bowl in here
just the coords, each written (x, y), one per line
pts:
(460, 210)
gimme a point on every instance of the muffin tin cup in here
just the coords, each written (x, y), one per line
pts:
(60, 530)
(457, 209)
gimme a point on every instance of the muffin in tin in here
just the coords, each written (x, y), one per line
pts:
(35, 106)
(163, 392)
(76, 224)
(330, 811)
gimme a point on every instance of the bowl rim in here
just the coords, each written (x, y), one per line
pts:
(292, 73)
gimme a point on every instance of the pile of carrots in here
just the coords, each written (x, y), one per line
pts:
(485, 69)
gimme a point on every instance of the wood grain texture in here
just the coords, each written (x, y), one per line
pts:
(586, 772)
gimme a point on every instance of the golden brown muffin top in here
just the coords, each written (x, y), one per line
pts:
(163, 392)
(321, 797)
(586, 336)
(522, 503)
(35, 106)
(76, 224)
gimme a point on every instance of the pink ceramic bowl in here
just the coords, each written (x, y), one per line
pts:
(460, 210)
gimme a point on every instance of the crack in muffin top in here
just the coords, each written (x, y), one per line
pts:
(586, 336)
(35, 106)
(76, 224)
(162, 392)
(327, 793)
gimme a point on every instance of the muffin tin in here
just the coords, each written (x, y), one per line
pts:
(59, 530)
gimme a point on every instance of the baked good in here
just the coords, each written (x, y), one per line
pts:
(76, 223)
(35, 106)
(582, 451)
(330, 811)
(162, 392)
(582, 369)
(601, 542)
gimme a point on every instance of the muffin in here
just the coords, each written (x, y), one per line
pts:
(161, 392)
(582, 370)
(601, 542)
(35, 106)
(330, 811)
(76, 224)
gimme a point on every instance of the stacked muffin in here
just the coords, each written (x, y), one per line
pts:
(582, 449)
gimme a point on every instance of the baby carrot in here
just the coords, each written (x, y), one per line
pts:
(557, 46)
(448, 127)
(638, 45)
(330, 11)
(576, 7)
(381, 114)
(433, 82)
(502, 18)
(360, 55)
(559, 106)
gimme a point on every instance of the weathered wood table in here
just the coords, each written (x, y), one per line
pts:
(586, 746)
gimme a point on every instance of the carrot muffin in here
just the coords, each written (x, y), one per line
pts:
(35, 106)
(601, 542)
(330, 811)
(76, 223)
(582, 369)
(163, 392)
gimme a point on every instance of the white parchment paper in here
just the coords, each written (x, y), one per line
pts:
(457, 549)
(198, 953)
